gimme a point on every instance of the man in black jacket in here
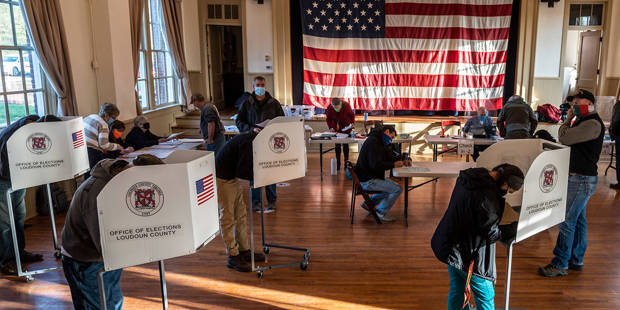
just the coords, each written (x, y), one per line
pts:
(376, 156)
(259, 107)
(517, 120)
(233, 162)
(614, 132)
(466, 235)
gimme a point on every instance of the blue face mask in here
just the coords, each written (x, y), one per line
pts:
(259, 91)
(387, 140)
(483, 118)
(110, 121)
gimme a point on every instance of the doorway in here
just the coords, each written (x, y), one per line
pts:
(225, 64)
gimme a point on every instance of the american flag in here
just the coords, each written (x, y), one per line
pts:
(78, 138)
(405, 54)
(205, 189)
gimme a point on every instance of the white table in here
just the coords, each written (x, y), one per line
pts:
(348, 140)
(428, 169)
(159, 152)
(435, 140)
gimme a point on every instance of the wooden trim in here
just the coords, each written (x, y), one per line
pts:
(282, 68)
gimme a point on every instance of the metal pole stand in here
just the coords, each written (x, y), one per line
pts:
(303, 265)
(508, 274)
(162, 283)
(29, 275)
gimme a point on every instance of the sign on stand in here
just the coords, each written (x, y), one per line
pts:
(43, 153)
(152, 213)
(465, 147)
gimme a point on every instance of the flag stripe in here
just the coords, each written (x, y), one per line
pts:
(476, 2)
(406, 44)
(447, 21)
(448, 9)
(404, 92)
(434, 56)
(447, 33)
(417, 80)
(398, 67)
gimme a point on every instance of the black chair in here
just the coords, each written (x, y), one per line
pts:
(358, 190)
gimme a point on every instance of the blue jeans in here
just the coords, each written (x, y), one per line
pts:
(270, 192)
(218, 142)
(7, 252)
(572, 239)
(483, 290)
(390, 191)
(82, 279)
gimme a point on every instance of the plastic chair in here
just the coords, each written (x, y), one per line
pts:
(358, 190)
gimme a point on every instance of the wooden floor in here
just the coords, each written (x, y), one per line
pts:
(360, 266)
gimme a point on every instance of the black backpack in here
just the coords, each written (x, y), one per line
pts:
(59, 200)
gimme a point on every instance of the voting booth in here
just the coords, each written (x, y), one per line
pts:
(279, 154)
(44, 153)
(541, 202)
(153, 213)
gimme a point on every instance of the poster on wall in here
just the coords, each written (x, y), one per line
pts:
(152, 213)
(42, 153)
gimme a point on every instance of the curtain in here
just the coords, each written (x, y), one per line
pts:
(136, 13)
(173, 21)
(45, 26)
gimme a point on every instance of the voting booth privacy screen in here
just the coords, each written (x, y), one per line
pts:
(279, 152)
(543, 196)
(43, 153)
(152, 213)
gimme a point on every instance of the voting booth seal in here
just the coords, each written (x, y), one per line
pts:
(144, 199)
(548, 178)
(279, 142)
(38, 143)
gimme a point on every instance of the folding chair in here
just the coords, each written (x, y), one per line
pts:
(358, 190)
(447, 126)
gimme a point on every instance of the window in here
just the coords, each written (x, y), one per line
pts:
(586, 14)
(157, 83)
(223, 11)
(21, 86)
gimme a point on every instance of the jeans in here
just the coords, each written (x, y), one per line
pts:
(7, 252)
(390, 191)
(270, 192)
(572, 239)
(483, 290)
(617, 160)
(218, 142)
(82, 280)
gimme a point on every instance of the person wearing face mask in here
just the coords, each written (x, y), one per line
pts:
(257, 108)
(480, 126)
(97, 135)
(140, 135)
(583, 131)
(466, 235)
(375, 157)
(116, 136)
(340, 116)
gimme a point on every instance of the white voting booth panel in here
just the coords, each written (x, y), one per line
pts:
(279, 152)
(543, 195)
(152, 213)
(43, 153)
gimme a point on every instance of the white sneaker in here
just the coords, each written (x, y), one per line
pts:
(385, 217)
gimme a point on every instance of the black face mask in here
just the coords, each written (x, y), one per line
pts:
(146, 126)
(501, 191)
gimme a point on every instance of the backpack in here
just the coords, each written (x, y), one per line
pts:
(549, 113)
(545, 135)
(59, 200)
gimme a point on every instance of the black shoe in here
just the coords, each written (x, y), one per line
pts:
(247, 255)
(615, 186)
(238, 263)
(365, 206)
(9, 269)
(575, 267)
(552, 271)
(256, 207)
(29, 257)
(270, 207)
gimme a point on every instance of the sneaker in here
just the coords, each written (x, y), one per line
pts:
(238, 263)
(576, 267)
(29, 257)
(385, 217)
(365, 206)
(256, 207)
(551, 271)
(615, 186)
(247, 255)
(270, 207)
(9, 269)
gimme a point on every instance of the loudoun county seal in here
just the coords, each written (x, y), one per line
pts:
(548, 178)
(279, 142)
(144, 199)
(38, 143)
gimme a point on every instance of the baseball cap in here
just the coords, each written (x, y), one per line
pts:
(584, 94)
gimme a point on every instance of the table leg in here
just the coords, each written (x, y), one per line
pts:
(434, 152)
(406, 188)
(321, 159)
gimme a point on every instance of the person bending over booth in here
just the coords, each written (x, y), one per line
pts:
(232, 163)
(81, 245)
(517, 119)
(480, 126)
(376, 156)
(466, 235)
(140, 135)
(340, 116)
(211, 126)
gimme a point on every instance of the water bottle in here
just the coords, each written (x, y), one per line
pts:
(365, 116)
(334, 167)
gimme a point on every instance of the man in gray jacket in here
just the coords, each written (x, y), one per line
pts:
(81, 246)
(517, 120)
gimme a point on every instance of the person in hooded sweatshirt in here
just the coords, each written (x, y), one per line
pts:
(8, 265)
(81, 245)
(375, 157)
(466, 235)
(517, 119)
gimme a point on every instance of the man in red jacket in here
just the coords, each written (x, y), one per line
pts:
(340, 118)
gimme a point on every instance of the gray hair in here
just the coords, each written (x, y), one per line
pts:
(138, 119)
(109, 109)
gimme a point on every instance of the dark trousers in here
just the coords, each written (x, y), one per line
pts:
(616, 154)
(82, 280)
(94, 156)
(270, 192)
(7, 252)
(343, 147)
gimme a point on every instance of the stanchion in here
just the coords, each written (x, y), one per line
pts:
(303, 265)
(162, 283)
(29, 275)
(508, 274)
